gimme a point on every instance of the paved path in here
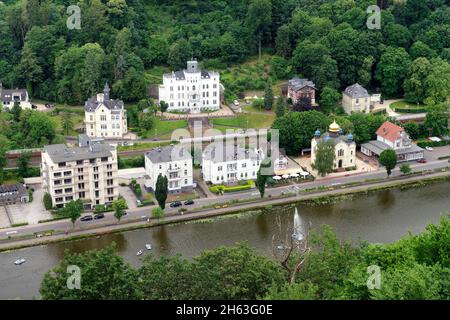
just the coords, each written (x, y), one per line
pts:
(138, 217)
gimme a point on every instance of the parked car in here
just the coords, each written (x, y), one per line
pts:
(236, 103)
(189, 202)
(99, 216)
(448, 160)
(86, 218)
(422, 161)
(175, 204)
(429, 148)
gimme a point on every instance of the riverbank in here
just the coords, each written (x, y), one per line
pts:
(329, 195)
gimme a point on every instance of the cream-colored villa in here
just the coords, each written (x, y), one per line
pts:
(344, 146)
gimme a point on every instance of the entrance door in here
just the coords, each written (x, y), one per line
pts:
(340, 164)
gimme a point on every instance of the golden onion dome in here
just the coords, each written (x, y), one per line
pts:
(334, 127)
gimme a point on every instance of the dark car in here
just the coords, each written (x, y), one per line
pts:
(175, 204)
(99, 216)
(188, 202)
(86, 218)
(422, 161)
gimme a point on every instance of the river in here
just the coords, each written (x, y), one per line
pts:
(382, 217)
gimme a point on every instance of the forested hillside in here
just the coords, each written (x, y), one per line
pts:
(324, 40)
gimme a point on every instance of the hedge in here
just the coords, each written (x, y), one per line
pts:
(241, 187)
(410, 110)
(429, 143)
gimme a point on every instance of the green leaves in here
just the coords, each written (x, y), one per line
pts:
(388, 159)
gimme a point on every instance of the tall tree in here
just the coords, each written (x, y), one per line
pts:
(303, 104)
(392, 70)
(259, 19)
(325, 156)
(48, 202)
(280, 109)
(388, 159)
(414, 85)
(23, 163)
(329, 99)
(161, 190)
(436, 120)
(268, 95)
(66, 122)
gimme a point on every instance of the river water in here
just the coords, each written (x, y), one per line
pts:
(382, 217)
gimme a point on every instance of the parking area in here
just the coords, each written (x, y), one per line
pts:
(437, 153)
(129, 196)
(30, 212)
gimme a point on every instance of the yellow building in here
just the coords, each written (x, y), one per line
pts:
(344, 146)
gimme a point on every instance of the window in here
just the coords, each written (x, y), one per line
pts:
(68, 190)
(81, 186)
(340, 153)
(92, 161)
(67, 181)
(80, 170)
(81, 178)
(61, 164)
(96, 176)
(185, 181)
(82, 195)
(57, 174)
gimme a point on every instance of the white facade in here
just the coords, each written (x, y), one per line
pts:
(105, 117)
(11, 96)
(239, 164)
(191, 90)
(175, 163)
(87, 172)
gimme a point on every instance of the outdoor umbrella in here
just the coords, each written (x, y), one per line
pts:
(285, 176)
(276, 178)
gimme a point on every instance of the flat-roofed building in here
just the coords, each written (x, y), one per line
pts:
(87, 172)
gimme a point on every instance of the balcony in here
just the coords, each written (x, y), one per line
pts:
(173, 169)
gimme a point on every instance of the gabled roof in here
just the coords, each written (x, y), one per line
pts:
(6, 95)
(390, 131)
(92, 104)
(356, 91)
(297, 83)
(168, 154)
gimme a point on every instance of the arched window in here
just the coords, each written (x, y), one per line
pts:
(340, 153)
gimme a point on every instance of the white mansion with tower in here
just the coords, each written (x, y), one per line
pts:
(191, 90)
(105, 117)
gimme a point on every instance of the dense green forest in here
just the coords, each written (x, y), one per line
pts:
(415, 267)
(324, 40)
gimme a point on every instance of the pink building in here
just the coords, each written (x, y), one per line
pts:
(298, 88)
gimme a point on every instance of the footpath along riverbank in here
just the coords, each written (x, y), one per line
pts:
(312, 196)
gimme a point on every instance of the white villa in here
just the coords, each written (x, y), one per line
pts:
(191, 90)
(391, 136)
(344, 146)
(105, 117)
(220, 166)
(10, 96)
(174, 162)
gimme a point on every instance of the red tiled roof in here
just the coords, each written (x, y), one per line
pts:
(389, 131)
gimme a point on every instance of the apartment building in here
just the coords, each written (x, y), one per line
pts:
(227, 165)
(191, 90)
(87, 172)
(174, 162)
(105, 117)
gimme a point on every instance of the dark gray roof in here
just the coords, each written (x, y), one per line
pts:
(6, 95)
(205, 73)
(62, 153)
(11, 192)
(229, 154)
(164, 154)
(356, 91)
(378, 147)
(297, 83)
(92, 104)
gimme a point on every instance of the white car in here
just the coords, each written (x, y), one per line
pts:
(19, 261)
(429, 148)
(236, 103)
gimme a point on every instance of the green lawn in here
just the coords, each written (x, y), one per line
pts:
(163, 129)
(242, 121)
(144, 145)
(399, 105)
(252, 109)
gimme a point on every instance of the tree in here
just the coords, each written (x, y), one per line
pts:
(280, 109)
(263, 174)
(157, 213)
(48, 203)
(412, 129)
(258, 20)
(66, 122)
(420, 49)
(405, 168)
(388, 159)
(146, 120)
(119, 207)
(23, 163)
(161, 190)
(16, 111)
(329, 99)
(179, 53)
(414, 85)
(296, 129)
(104, 276)
(303, 104)
(163, 106)
(392, 69)
(325, 156)
(73, 210)
(268, 95)
(436, 120)
(3, 161)
(437, 82)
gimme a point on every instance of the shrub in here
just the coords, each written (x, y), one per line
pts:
(157, 212)
(48, 204)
